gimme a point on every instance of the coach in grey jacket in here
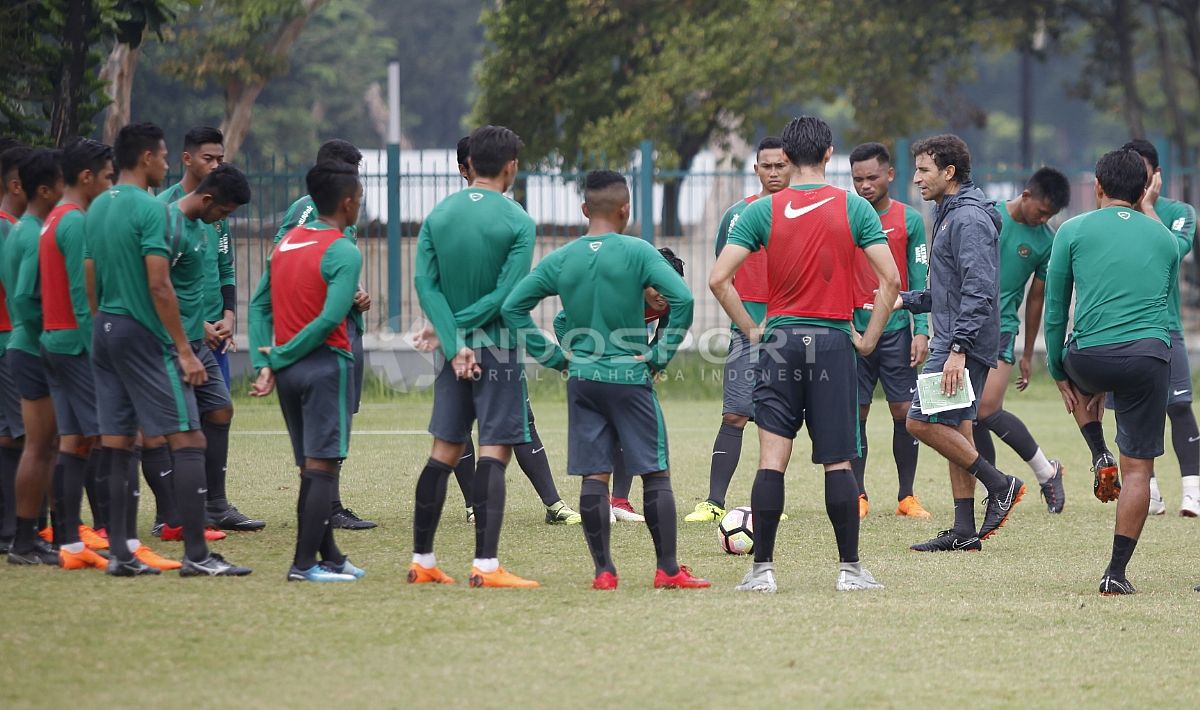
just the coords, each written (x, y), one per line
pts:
(963, 301)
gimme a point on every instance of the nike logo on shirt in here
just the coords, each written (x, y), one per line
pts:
(800, 212)
(289, 246)
(889, 231)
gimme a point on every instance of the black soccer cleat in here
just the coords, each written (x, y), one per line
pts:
(1112, 585)
(950, 541)
(41, 553)
(230, 518)
(1107, 486)
(1052, 490)
(5, 545)
(997, 508)
(345, 519)
(132, 568)
(212, 566)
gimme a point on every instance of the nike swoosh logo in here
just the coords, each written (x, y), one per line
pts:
(889, 231)
(1179, 392)
(166, 473)
(1193, 439)
(965, 543)
(289, 246)
(794, 213)
(538, 450)
(717, 452)
(912, 389)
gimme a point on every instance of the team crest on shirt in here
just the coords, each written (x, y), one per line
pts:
(595, 245)
(1024, 251)
(476, 196)
(1123, 214)
(1178, 224)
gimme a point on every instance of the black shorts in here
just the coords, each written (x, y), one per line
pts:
(1139, 386)
(316, 396)
(604, 417)
(1180, 391)
(139, 383)
(741, 374)
(809, 375)
(888, 364)
(360, 360)
(28, 374)
(497, 399)
(953, 417)
(11, 423)
(73, 391)
(214, 393)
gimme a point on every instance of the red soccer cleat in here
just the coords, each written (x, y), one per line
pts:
(605, 580)
(175, 534)
(682, 579)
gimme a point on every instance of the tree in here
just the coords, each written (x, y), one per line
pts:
(140, 16)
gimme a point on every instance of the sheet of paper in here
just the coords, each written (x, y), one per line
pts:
(929, 386)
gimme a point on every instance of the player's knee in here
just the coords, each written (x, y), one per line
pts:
(734, 420)
(329, 466)
(220, 417)
(187, 440)
(990, 419)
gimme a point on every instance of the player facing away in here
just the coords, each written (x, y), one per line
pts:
(42, 183)
(905, 340)
(806, 364)
(12, 429)
(962, 299)
(472, 250)
(1180, 218)
(144, 367)
(774, 173)
(1025, 241)
(66, 341)
(1120, 341)
(203, 152)
(299, 345)
(299, 213)
(601, 278)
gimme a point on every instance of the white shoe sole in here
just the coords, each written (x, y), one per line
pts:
(625, 516)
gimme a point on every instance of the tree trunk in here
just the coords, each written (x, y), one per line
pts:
(118, 77)
(688, 149)
(1131, 103)
(1178, 129)
(68, 95)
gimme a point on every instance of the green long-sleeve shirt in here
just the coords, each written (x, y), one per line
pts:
(1093, 256)
(189, 245)
(1180, 218)
(302, 211)
(472, 250)
(601, 280)
(218, 258)
(20, 273)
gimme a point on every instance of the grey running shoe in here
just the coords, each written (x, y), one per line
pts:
(760, 578)
(852, 577)
(1052, 490)
(212, 566)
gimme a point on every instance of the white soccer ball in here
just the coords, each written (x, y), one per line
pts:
(736, 531)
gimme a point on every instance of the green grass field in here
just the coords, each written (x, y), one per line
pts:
(1019, 624)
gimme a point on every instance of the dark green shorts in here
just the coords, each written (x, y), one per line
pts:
(316, 394)
(603, 417)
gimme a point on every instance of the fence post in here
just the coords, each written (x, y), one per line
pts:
(1164, 162)
(646, 191)
(393, 198)
(902, 160)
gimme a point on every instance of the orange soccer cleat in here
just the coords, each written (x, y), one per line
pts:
(149, 558)
(500, 578)
(911, 507)
(427, 575)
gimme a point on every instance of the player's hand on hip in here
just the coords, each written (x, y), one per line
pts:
(465, 366)
(755, 335)
(264, 384)
(1070, 397)
(952, 373)
(193, 370)
(362, 301)
(1026, 366)
(919, 350)
(862, 345)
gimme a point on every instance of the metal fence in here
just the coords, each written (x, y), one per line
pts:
(422, 178)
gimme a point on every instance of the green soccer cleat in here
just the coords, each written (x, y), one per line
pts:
(705, 512)
(560, 514)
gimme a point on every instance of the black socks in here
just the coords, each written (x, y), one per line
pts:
(984, 445)
(122, 501)
(988, 475)
(316, 492)
(488, 491)
(1093, 434)
(622, 482)
(464, 472)
(659, 501)
(190, 497)
(1011, 431)
(431, 495)
(859, 465)
(216, 457)
(726, 453)
(1122, 550)
(96, 484)
(73, 472)
(766, 503)
(594, 508)
(1185, 438)
(158, 470)
(841, 505)
(904, 450)
(964, 516)
(9, 459)
(535, 464)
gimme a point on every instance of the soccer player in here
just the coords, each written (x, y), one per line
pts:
(299, 343)
(905, 340)
(1121, 337)
(774, 173)
(811, 232)
(144, 367)
(66, 339)
(1180, 218)
(12, 429)
(42, 183)
(472, 250)
(1025, 242)
(203, 152)
(601, 278)
(966, 333)
(298, 214)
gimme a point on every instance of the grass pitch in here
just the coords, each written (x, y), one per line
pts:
(1019, 624)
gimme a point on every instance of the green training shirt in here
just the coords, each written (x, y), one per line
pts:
(70, 236)
(1110, 307)
(1024, 252)
(125, 225)
(303, 211)
(190, 244)
(601, 280)
(219, 270)
(1180, 218)
(20, 272)
(753, 270)
(472, 250)
(916, 256)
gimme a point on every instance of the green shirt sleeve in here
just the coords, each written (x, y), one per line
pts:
(560, 326)
(24, 302)
(670, 335)
(340, 268)
(1059, 285)
(71, 238)
(262, 321)
(753, 228)
(1183, 226)
(723, 230)
(515, 268)
(225, 254)
(426, 282)
(864, 222)
(918, 264)
(153, 230)
(291, 218)
(540, 283)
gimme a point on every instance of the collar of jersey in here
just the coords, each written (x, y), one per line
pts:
(809, 186)
(317, 225)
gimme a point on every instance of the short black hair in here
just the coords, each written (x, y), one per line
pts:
(11, 158)
(768, 143)
(329, 183)
(672, 259)
(1144, 148)
(604, 190)
(84, 154)
(492, 147)
(41, 168)
(1122, 175)
(1050, 185)
(464, 150)
(133, 140)
(339, 151)
(805, 140)
(227, 185)
(866, 151)
(946, 149)
(202, 135)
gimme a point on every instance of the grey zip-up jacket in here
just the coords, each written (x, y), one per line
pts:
(963, 298)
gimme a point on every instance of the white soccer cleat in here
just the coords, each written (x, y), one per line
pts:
(1157, 506)
(1190, 507)
(852, 577)
(758, 580)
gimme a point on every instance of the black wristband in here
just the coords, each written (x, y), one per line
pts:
(229, 297)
